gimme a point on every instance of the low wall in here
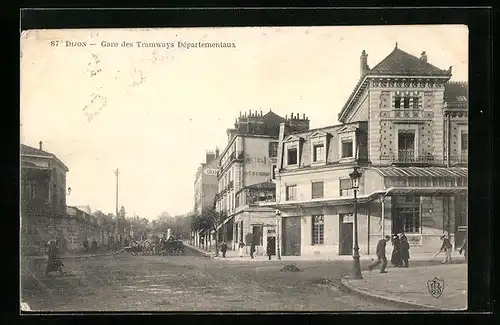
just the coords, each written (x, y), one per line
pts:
(69, 231)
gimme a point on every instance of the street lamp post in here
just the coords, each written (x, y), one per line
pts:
(278, 244)
(356, 270)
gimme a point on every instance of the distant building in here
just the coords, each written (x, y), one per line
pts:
(206, 183)
(405, 126)
(249, 158)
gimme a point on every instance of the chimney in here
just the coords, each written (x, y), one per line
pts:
(364, 62)
(423, 56)
(304, 116)
(40, 145)
(291, 116)
(216, 152)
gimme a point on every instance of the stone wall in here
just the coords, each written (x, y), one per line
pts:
(70, 231)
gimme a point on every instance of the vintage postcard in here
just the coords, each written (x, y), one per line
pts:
(244, 169)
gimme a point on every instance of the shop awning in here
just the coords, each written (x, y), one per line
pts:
(427, 191)
(342, 200)
(421, 171)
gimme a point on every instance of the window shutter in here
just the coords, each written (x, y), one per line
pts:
(345, 184)
(317, 190)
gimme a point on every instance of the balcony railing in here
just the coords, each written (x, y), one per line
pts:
(462, 157)
(409, 156)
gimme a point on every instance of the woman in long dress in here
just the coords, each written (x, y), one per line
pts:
(396, 251)
(54, 263)
(241, 248)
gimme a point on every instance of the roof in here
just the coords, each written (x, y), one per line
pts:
(421, 171)
(30, 151)
(398, 62)
(27, 150)
(456, 92)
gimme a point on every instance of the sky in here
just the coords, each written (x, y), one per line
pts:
(153, 112)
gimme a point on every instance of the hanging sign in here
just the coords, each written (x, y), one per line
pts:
(211, 171)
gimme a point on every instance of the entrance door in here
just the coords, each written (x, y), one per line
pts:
(346, 234)
(291, 236)
(271, 245)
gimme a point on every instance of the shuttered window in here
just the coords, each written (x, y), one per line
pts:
(317, 190)
(291, 193)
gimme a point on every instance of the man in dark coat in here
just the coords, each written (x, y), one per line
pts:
(94, 245)
(396, 251)
(85, 245)
(223, 249)
(381, 258)
(405, 250)
(252, 249)
(54, 262)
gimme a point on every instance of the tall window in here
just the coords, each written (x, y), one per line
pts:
(406, 146)
(273, 171)
(291, 192)
(292, 156)
(257, 234)
(415, 103)
(318, 230)
(318, 152)
(464, 140)
(317, 190)
(397, 102)
(406, 102)
(273, 149)
(347, 148)
(345, 187)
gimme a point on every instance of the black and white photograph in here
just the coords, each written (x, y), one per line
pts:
(244, 169)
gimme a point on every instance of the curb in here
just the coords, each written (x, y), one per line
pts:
(345, 285)
(194, 248)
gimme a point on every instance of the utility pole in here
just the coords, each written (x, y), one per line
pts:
(117, 173)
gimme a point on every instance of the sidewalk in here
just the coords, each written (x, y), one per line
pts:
(409, 286)
(234, 256)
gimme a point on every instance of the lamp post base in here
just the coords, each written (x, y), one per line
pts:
(356, 269)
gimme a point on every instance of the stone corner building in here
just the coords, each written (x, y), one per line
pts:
(405, 125)
(44, 214)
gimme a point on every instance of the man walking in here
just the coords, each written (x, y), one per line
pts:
(223, 249)
(446, 248)
(381, 258)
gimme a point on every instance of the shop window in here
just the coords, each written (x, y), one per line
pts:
(407, 220)
(257, 234)
(318, 229)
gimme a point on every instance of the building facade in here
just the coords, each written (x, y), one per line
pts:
(249, 158)
(206, 183)
(43, 197)
(405, 126)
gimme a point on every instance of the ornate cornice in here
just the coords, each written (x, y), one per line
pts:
(408, 82)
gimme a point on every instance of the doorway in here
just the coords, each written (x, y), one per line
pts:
(346, 234)
(291, 236)
(271, 245)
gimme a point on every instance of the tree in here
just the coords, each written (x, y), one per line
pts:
(209, 221)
